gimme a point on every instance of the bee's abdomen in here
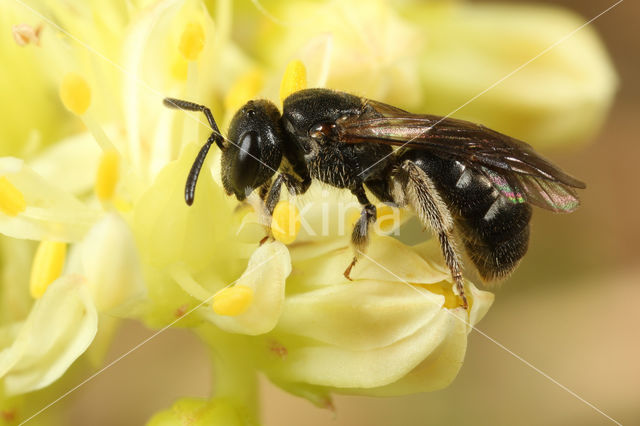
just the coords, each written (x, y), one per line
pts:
(494, 230)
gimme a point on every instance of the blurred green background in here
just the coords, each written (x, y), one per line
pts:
(570, 309)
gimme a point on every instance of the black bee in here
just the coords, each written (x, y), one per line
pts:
(451, 173)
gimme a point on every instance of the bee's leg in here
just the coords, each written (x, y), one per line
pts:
(272, 195)
(360, 234)
(294, 186)
(263, 191)
(413, 187)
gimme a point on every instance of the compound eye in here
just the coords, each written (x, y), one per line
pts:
(246, 165)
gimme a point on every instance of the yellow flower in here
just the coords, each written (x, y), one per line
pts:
(198, 412)
(59, 328)
(108, 186)
(436, 56)
(397, 329)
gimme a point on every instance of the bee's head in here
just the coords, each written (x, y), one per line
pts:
(254, 150)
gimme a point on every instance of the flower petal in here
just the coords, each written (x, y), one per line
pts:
(266, 274)
(71, 163)
(440, 367)
(361, 316)
(200, 412)
(361, 46)
(169, 231)
(362, 337)
(473, 46)
(111, 265)
(15, 299)
(50, 214)
(150, 54)
(334, 366)
(58, 330)
(386, 259)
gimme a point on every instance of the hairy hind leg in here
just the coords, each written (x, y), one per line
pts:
(412, 186)
(360, 234)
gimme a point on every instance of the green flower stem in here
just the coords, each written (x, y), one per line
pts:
(234, 374)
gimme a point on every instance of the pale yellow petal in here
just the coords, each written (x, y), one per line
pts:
(168, 230)
(266, 275)
(150, 51)
(336, 366)
(481, 44)
(59, 329)
(50, 213)
(373, 338)
(15, 300)
(361, 316)
(386, 259)
(200, 412)
(440, 367)
(436, 371)
(112, 266)
(71, 163)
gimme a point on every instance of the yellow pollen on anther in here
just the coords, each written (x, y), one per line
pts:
(107, 176)
(192, 41)
(12, 200)
(245, 88)
(294, 79)
(75, 93)
(285, 223)
(47, 266)
(232, 301)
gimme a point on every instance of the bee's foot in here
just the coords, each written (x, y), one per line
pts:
(460, 290)
(463, 298)
(347, 272)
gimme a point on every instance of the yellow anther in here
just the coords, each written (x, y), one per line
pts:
(294, 79)
(232, 301)
(107, 176)
(12, 201)
(245, 88)
(47, 266)
(386, 217)
(179, 68)
(285, 224)
(192, 41)
(75, 93)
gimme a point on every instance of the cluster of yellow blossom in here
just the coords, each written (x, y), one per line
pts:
(95, 228)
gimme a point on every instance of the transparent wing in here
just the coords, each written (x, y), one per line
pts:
(513, 167)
